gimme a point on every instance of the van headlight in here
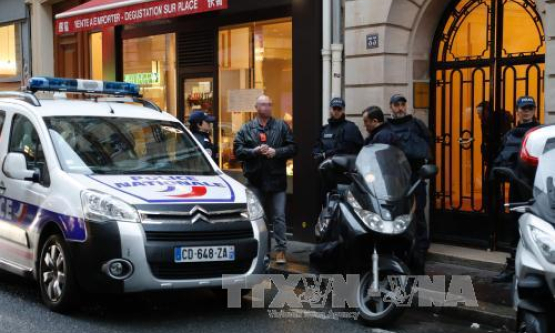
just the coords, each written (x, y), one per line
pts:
(254, 207)
(544, 241)
(375, 222)
(101, 207)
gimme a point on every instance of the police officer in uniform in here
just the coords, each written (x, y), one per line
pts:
(415, 140)
(201, 126)
(509, 157)
(339, 136)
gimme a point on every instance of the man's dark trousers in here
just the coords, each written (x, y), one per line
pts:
(274, 207)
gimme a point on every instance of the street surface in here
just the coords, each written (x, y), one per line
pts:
(189, 311)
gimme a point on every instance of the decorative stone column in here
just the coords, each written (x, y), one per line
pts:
(42, 37)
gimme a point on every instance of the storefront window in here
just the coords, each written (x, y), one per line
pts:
(255, 58)
(10, 57)
(96, 55)
(198, 95)
(150, 62)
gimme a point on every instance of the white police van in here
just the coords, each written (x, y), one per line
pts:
(106, 195)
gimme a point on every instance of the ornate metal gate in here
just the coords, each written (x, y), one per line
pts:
(486, 54)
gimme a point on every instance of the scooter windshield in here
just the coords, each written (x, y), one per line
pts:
(385, 170)
(544, 187)
(546, 168)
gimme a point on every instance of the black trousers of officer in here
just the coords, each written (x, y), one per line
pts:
(513, 226)
(422, 239)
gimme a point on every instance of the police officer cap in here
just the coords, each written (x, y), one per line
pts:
(337, 102)
(200, 116)
(397, 98)
(525, 101)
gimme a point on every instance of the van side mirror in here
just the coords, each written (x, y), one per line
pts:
(15, 166)
(427, 171)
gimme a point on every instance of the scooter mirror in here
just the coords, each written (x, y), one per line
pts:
(325, 165)
(427, 171)
(508, 175)
(502, 173)
(344, 163)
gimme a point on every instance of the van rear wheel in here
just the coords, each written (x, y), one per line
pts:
(58, 289)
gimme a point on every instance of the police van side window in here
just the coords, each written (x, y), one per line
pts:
(25, 139)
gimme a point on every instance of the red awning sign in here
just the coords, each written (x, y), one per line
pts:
(94, 18)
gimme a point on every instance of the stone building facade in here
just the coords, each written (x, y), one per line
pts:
(448, 57)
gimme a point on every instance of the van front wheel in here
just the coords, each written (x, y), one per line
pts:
(57, 285)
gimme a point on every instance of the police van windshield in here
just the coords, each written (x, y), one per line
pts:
(109, 145)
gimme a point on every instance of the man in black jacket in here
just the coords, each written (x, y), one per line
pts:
(378, 130)
(415, 140)
(264, 145)
(509, 157)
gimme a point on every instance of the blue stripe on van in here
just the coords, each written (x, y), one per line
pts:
(29, 216)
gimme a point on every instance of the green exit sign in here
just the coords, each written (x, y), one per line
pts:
(142, 78)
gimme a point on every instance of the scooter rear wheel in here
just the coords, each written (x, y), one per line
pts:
(380, 309)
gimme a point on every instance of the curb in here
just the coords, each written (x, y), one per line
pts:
(493, 315)
(447, 259)
(486, 313)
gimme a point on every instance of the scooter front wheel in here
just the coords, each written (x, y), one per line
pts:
(381, 307)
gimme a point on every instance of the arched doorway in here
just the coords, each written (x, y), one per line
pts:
(486, 53)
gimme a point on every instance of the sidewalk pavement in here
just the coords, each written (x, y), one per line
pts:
(494, 300)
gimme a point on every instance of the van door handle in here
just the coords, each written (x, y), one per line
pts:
(2, 188)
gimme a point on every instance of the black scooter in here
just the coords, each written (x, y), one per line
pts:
(366, 225)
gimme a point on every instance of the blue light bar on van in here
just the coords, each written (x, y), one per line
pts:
(82, 86)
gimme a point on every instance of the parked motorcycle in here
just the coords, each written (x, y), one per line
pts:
(367, 219)
(534, 287)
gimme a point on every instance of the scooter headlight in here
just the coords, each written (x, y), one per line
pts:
(375, 222)
(372, 220)
(544, 242)
(401, 223)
